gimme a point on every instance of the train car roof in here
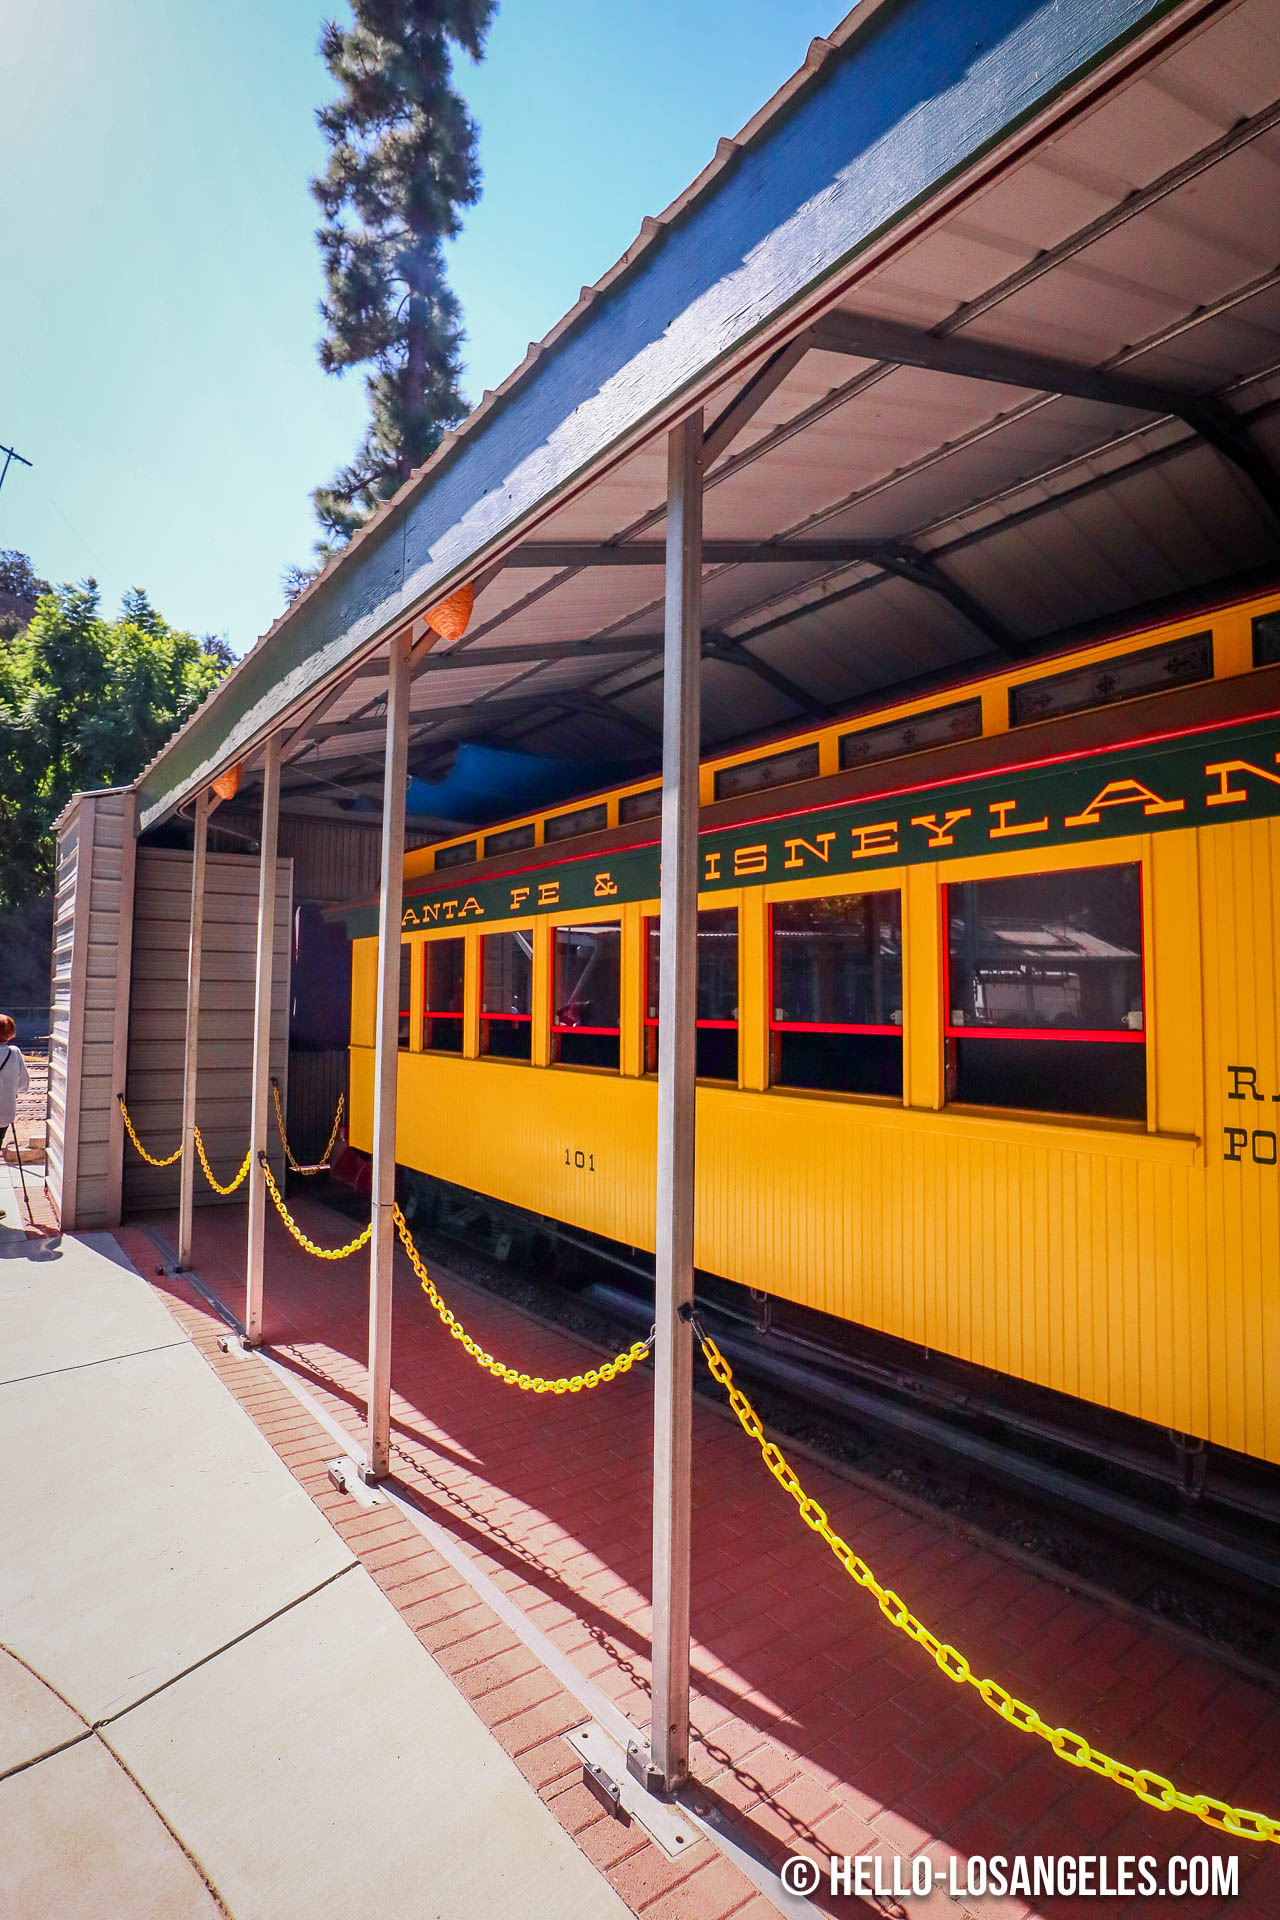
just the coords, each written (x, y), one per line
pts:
(983, 313)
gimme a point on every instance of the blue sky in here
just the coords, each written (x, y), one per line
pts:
(158, 321)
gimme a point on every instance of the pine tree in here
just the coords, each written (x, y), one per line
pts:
(402, 165)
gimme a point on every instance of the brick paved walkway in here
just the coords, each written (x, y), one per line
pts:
(818, 1726)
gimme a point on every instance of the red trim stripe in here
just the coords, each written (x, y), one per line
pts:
(1046, 1033)
(822, 1026)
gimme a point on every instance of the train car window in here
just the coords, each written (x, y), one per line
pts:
(639, 806)
(564, 826)
(405, 1001)
(1176, 663)
(1044, 993)
(773, 770)
(936, 728)
(836, 993)
(444, 974)
(509, 839)
(466, 850)
(717, 994)
(1266, 640)
(506, 995)
(586, 996)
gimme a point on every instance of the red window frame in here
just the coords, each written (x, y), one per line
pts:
(457, 1021)
(887, 1028)
(525, 1019)
(566, 926)
(1132, 1037)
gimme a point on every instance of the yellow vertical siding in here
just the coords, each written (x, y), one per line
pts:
(417, 991)
(364, 972)
(1240, 908)
(540, 992)
(922, 951)
(631, 1038)
(471, 998)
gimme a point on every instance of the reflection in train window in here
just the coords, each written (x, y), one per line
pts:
(585, 995)
(717, 994)
(506, 995)
(836, 993)
(1044, 996)
(444, 974)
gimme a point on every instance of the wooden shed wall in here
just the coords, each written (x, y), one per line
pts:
(61, 1037)
(157, 1015)
(332, 861)
(92, 939)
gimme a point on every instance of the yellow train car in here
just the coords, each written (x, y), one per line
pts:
(987, 999)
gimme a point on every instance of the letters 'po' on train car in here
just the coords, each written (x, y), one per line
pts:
(987, 1020)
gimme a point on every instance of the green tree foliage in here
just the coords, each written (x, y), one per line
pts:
(402, 164)
(85, 702)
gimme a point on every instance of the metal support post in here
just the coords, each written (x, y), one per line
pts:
(195, 954)
(386, 1060)
(263, 983)
(677, 1067)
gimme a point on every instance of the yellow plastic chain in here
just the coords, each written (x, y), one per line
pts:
(529, 1383)
(322, 1164)
(321, 1253)
(214, 1182)
(1152, 1788)
(148, 1157)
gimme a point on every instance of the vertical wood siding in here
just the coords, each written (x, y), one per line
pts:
(91, 941)
(60, 1021)
(158, 998)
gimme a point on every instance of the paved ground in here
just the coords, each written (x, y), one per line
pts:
(207, 1707)
(818, 1727)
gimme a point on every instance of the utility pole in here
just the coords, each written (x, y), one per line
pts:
(9, 455)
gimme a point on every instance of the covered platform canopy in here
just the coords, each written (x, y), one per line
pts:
(967, 344)
(983, 311)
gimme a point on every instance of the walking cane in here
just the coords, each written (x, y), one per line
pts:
(22, 1176)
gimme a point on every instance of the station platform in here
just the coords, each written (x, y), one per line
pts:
(818, 1728)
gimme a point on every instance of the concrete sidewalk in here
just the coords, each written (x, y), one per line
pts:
(207, 1707)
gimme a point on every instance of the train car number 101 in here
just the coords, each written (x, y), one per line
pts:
(584, 1162)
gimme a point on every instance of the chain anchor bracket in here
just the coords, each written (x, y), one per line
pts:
(608, 1773)
(641, 1767)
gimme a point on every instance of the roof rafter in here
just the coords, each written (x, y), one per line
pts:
(869, 338)
(766, 380)
(732, 654)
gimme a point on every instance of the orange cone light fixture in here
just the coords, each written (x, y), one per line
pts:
(451, 618)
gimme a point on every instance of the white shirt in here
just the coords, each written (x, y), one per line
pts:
(13, 1081)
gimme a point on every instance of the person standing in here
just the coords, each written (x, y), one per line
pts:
(13, 1079)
